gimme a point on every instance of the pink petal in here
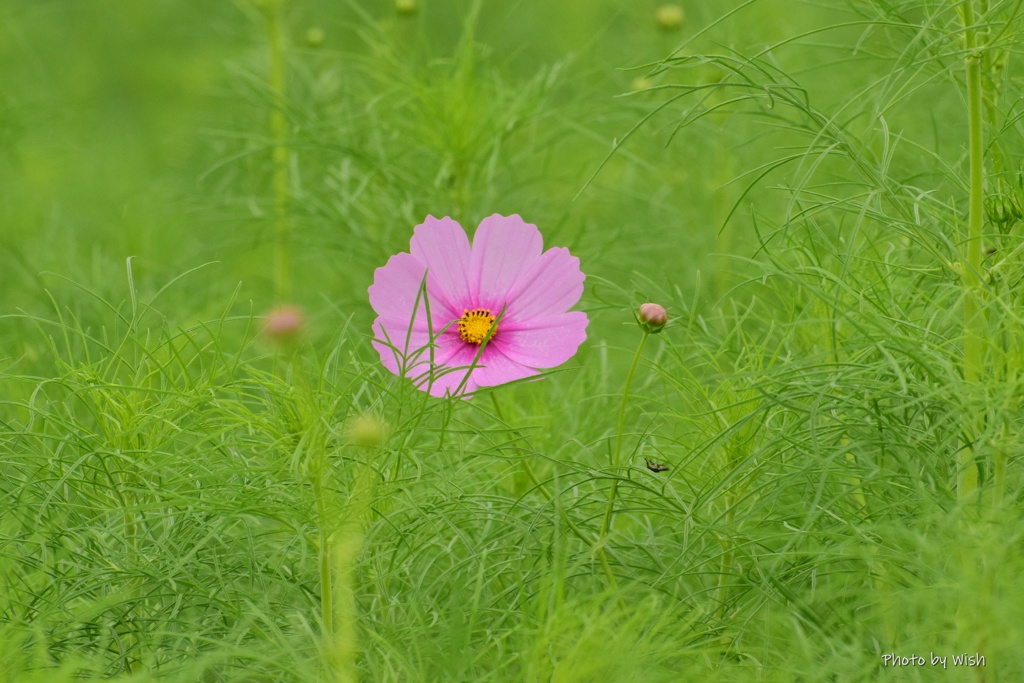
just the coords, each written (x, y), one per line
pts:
(491, 369)
(393, 294)
(542, 342)
(496, 368)
(396, 353)
(552, 285)
(504, 248)
(442, 246)
(396, 286)
(447, 379)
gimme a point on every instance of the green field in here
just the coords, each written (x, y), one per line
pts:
(811, 473)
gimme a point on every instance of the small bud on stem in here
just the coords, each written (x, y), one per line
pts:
(652, 318)
(284, 323)
(315, 36)
(669, 16)
(367, 431)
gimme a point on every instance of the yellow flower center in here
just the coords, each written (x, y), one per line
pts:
(474, 325)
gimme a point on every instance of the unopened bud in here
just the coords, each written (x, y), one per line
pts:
(405, 6)
(641, 83)
(367, 430)
(669, 16)
(284, 323)
(1003, 210)
(652, 318)
(315, 36)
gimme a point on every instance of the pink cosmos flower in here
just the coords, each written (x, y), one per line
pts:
(499, 309)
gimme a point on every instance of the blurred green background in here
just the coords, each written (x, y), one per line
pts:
(140, 130)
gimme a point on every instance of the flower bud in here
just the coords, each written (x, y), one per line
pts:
(367, 430)
(315, 36)
(669, 16)
(284, 323)
(652, 318)
(405, 6)
(1003, 210)
(640, 83)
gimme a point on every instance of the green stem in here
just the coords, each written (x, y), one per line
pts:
(728, 556)
(343, 646)
(579, 533)
(625, 399)
(279, 135)
(313, 448)
(616, 463)
(130, 503)
(326, 594)
(999, 466)
(974, 319)
(346, 545)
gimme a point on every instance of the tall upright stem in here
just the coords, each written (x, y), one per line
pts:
(974, 318)
(617, 460)
(616, 463)
(583, 536)
(346, 545)
(279, 136)
(326, 594)
(974, 315)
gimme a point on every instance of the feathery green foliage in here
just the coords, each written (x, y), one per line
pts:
(837, 395)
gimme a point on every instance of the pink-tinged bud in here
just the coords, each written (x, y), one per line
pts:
(284, 323)
(652, 318)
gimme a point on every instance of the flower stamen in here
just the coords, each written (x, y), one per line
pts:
(476, 324)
